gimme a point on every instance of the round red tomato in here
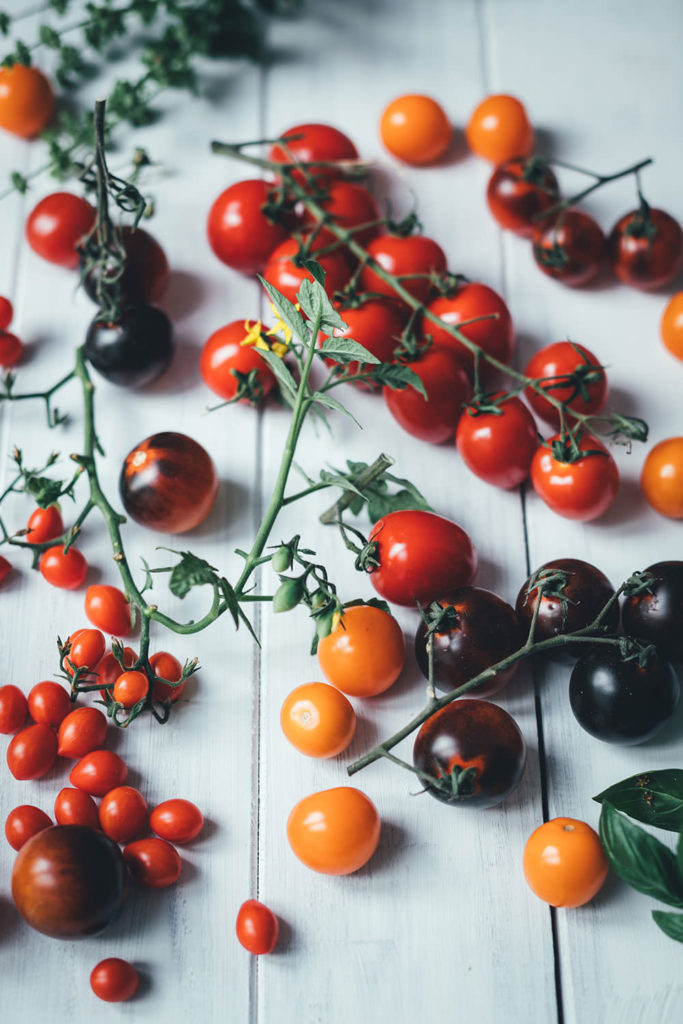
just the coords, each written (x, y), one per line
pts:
(48, 703)
(11, 350)
(518, 191)
(85, 651)
(421, 557)
(307, 143)
(240, 233)
(154, 862)
(26, 100)
(349, 205)
(24, 822)
(257, 927)
(5, 568)
(56, 225)
(67, 571)
(499, 129)
(130, 688)
(98, 772)
(376, 325)
(569, 247)
(645, 248)
(6, 313)
(412, 259)
(225, 359)
(114, 980)
(583, 489)
(365, 652)
(177, 820)
(82, 731)
(585, 392)
(108, 609)
(497, 443)
(32, 752)
(123, 813)
(74, 807)
(13, 709)
(109, 670)
(284, 272)
(496, 337)
(168, 668)
(448, 388)
(415, 129)
(44, 524)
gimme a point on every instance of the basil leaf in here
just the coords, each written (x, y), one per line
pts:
(671, 924)
(655, 798)
(641, 860)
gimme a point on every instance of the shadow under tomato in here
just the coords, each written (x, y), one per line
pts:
(287, 938)
(10, 920)
(231, 501)
(183, 296)
(628, 506)
(365, 738)
(182, 374)
(393, 841)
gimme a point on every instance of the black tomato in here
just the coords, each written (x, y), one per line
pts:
(168, 483)
(479, 630)
(133, 350)
(619, 701)
(571, 602)
(569, 247)
(474, 752)
(645, 248)
(518, 190)
(146, 273)
(656, 614)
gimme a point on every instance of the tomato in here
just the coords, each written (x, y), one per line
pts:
(86, 649)
(56, 225)
(168, 668)
(413, 259)
(671, 326)
(5, 569)
(74, 807)
(130, 688)
(656, 612)
(48, 703)
(349, 205)
(499, 129)
(24, 822)
(6, 313)
(661, 479)
(473, 753)
(574, 594)
(376, 325)
(335, 831)
(13, 709)
(109, 670)
(318, 720)
(177, 820)
(564, 862)
(285, 273)
(108, 609)
(586, 392)
(584, 489)
(98, 772)
(67, 571)
(69, 881)
(645, 248)
(365, 653)
(11, 350)
(257, 927)
(619, 701)
(146, 274)
(26, 100)
(225, 358)
(448, 388)
(415, 129)
(518, 191)
(114, 980)
(495, 337)
(314, 142)
(239, 232)
(123, 813)
(498, 446)
(133, 350)
(32, 752)
(421, 557)
(168, 483)
(44, 524)
(154, 862)
(569, 247)
(482, 629)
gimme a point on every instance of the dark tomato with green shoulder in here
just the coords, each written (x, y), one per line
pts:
(655, 613)
(571, 593)
(570, 247)
(518, 191)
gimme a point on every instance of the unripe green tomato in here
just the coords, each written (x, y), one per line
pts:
(288, 595)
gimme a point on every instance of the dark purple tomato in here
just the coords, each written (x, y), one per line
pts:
(473, 751)
(645, 248)
(480, 630)
(146, 273)
(518, 191)
(135, 349)
(574, 594)
(569, 247)
(656, 614)
(620, 701)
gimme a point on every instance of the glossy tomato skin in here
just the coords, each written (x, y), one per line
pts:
(318, 720)
(656, 613)
(6, 313)
(257, 927)
(284, 272)
(661, 479)
(146, 274)
(107, 608)
(365, 652)
(415, 129)
(349, 205)
(26, 100)
(403, 257)
(582, 490)
(671, 327)
(11, 350)
(123, 813)
(518, 191)
(86, 648)
(48, 703)
(447, 383)
(334, 832)
(239, 232)
(24, 822)
(66, 571)
(177, 820)
(82, 731)
(421, 557)
(569, 248)
(498, 446)
(495, 337)
(315, 142)
(74, 807)
(133, 350)
(166, 667)
(32, 752)
(570, 606)
(471, 734)
(69, 881)
(44, 524)
(619, 701)
(130, 688)
(13, 709)
(499, 129)
(109, 670)
(484, 630)
(168, 483)
(114, 980)
(646, 250)
(564, 862)
(55, 226)
(224, 353)
(98, 772)
(5, 568)
(556, 361)
(153, 862)
(376, 324)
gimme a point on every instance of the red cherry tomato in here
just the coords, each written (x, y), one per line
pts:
(5, 568)
(123, 813)
(314, 142)
(74, 807)
(448, 388)
(26, 100)
(586, 394)
(582, 490)
(569, 247)
(114, 980)
(404, 258)
(495, 337)
(130, 688)
(44, 524)
(32, 752)
(24, 822)
(421, 557)
(98, 772)
(284, 273)
(82, 731)
(56, 225)
(6, 313)
(86, 649)
(11, 349)
(13, 709)
(499, 129)
(239, 232)
(646, 248)
(349, 205)
(108, 609)
(498, 446)
(376, 325)
(154, 862)
(257, 927)
(415, 129)
(224, 358)
(109, 670)
(48, 703)
(518, 190)
(177, 820)
(165, 666)
(67, 571)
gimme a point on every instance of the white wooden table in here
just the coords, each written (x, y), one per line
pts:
(440, 925)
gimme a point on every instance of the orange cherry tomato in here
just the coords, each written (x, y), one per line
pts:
(335, 831)
(415, 129)
(564, 862)
(130, 688)
(165, 666)
(364, 655)
(26, 100)
(108, 609)
(661, 479)
(672, 326)
(499, 129)
(318, 720)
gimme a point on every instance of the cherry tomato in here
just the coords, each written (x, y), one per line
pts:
(574, 594)
(314, 142)
(661, 479)
(146, 273)
(645, 248)
(177, 820)
(415, 129)
(44, 524)
(239, 232)
(224, 357)
(74, 807)
(109, 670)
(5, 569)
(82, 731)
(495, 337)
(518, 190)
(671, 327)
(564, 862)
(168, 483)
(24, 822)
(499, 129)
(13, 709)
(569, 247)
(108, 609)
(86, 649)
(11, 349)
(32, 752)
(335, 831)
(376, 325)
(498, 446)
(49, 703)
(154, 862)
(130, 688)
(655, 614)
(473, 751)
(349, 205)
(67, 571)
(421, 557)
(6, 313)
(285, 273)
(26, 100)
(318, 720)
(448, 388)
(257, 927)
(114, 980)
(412, 259)
(134, 349)
(365, 653)
(583, 489)
(585, 393)
(168, 668)
(123, 813)
(56, 225)
(98, 772)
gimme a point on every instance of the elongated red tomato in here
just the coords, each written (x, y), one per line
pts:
(74, 807)
(448, 387)
(583, 489)
(23, 822)
(496, 337)
(48, 703)
(153, 862)
(98, 772)
(108, 609)
(82, 731)
(165, 666)
(498, 446)
(177, 820)
(32, 752)
(257, 927)
(44, 524)
(239, 232)
(13, 709)
(412, 259)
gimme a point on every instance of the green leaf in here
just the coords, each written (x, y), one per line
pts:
(339, 480)
(346, 350)
(641, 860)
(322, 398)
(671, 924)
(309, 297)
(49, 37)
(398, 377)
(655, 798)
(190, 572)
(679, 857)
(231, 601)
(45, 492)
(287, 311)
(382, 504)
(314, 268)
(286, 381)
(4, 23)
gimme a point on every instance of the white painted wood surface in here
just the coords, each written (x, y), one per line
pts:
(440, 925)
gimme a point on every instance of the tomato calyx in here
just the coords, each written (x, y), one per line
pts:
(535, 170)
(641, 224)
(566, 448)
